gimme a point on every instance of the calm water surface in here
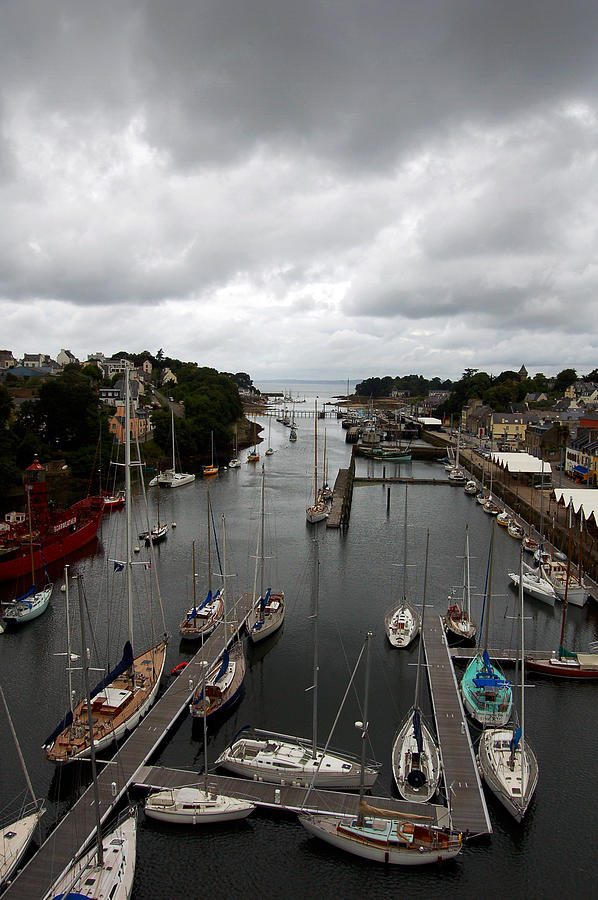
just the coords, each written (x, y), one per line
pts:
(361, 576)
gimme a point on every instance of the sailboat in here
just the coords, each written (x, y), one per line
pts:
(319, 511)
(195, 805)
(564, 663)
(16, 836)
(281, 758)
(402, 622)
(326, 492)
(268, 613)
(170, 477)
(224, 681)
(124, 695)
(235, 461)
(506, 759)
(458, 624)
(253, 456)
(200, 621)
(159, 530)
(382, 835)
(415, 755)
(211, 469)
(487, 696)
(269, 451)
(456, 474)
(32, 603)
(108, 868)
(534, 585)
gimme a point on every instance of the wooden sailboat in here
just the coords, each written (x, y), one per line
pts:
(171, 478)
(108, 868)
(268, 613)
(197, 805)
(123, 696)
(506, 759)
(16, 836)
(402, 622)
(415, 755)
(458, 624)
(382, 835)
(281, 758)
(32, 603)
(319, 510)
(487, 695)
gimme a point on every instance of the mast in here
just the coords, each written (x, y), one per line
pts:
(262, 557)
(522, 642)
(466, 586)
(419, 649)
(172, 429)
(364, 727)
(316, 452)
(405, 550)
(566, 597)
(92, 749)
(18, 746)
(68, 640)
(489, 589)
(128, 532)
(314, 616)
(194, 576)
(210, 545)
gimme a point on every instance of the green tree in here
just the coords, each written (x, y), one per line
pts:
(565, 379)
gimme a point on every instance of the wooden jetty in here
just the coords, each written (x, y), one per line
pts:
(286, 797)
(460, 772)
(75, 831)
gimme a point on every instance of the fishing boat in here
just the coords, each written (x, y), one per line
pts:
(52, 533)
(170, 477)
(503, 519)
(210, 469)
(33, 602)
(534, 585)
(402, 622)
(113, 500)
(197, 805)
(505, 757)
(319, 510)
(267, 614)
(487, 695)
(458, 624)
(382, 835)
(16, 836)
(415, 755)
(121, 698)
(280, 758)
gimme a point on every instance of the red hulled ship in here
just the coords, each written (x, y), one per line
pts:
(47, 533)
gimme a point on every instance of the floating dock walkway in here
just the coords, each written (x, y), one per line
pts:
(75, 830)
(462, 780)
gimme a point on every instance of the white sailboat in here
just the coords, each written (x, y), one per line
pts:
(235, 462)
(124, 695)
(16, 836)
(506, 759)
(381, 835)
(108, 868)
(170, 477)
(458, 624)
(534, 585)
(415, 754)
(268, 613)
(33, 602)
(319, 510)
(269, 451)
(200, 621)
(402, 622)
(281, 758)
(456, 474)
(197, 805)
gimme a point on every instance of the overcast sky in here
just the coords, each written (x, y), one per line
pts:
(325, 188)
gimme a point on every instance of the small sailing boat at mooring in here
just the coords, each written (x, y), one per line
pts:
(319, 509)
(458, 624)
(268, 613)
(487, 695)
(121, 699)
(170, 477)
(506, 759)
(415, 754)
(402, 622)
(383, 835)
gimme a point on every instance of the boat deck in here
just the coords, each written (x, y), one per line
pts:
(460, 771)
(288, 798)
(75, 830)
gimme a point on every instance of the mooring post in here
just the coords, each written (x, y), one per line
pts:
(387, 500)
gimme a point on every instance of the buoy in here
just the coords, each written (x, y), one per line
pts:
(174, 524)
(63, 588)
(178, 669)
(136, 548)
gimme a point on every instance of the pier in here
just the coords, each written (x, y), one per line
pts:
(462, 780)
(75, 831)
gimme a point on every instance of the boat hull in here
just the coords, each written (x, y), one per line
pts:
(260, 628)
(19, 612)
(488, 704)
(416, 774)
(341, 833)
(402, 624)
(13, 848)
(192, 806)
(556, 668)
(512, 778)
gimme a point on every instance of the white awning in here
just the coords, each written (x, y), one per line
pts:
(581, 499)
(522, 462)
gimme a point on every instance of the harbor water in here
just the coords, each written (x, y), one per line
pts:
(269, 855)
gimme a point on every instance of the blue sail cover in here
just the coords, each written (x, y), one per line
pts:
(125, 663)
(264, 600)
(24, 596)
(221, 671)
(515, 740)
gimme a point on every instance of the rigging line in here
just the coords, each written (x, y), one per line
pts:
(152, 549)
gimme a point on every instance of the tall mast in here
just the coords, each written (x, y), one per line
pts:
(566, 598)
(18, 746)
(210, 545)
(128, 500)
(172, 429)
(405, 550)
(315, 604)
(522, 641)
(489, 589)
(316, 452)
(262, 557)
(31, 538)
(466, 586)
(365, 725)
